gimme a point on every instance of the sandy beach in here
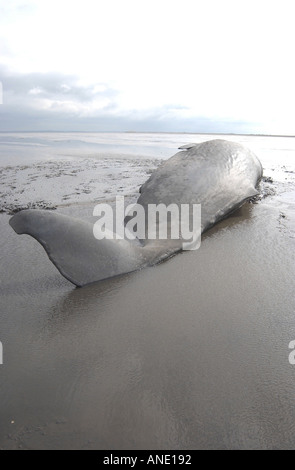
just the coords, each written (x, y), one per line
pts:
(190, 354)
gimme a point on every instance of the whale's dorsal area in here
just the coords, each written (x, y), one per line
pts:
(218, 174)
(187, 146)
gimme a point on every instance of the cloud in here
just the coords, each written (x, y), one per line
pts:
(220, 63)
(56, 101)
(51, 96)
(59, 101)
(51, 86)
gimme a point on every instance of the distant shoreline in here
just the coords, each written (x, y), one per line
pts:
(144, 132)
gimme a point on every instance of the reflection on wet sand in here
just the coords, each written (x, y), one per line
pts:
(192, 353)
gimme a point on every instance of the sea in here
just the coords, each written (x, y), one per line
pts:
(28, 147)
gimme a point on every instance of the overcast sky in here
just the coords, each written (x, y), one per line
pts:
(148, 65)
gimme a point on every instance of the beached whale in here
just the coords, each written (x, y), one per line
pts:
(218, 174)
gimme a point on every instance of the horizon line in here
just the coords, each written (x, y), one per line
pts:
(150, 132)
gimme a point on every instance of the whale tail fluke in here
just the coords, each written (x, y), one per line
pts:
(71, 246)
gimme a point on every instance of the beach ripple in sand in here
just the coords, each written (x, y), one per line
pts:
(46, 185)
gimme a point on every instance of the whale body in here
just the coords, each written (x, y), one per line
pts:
(218, 174)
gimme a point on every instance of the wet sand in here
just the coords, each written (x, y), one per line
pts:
(189, 354)
(57, 183)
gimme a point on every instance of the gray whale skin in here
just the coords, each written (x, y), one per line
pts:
(218, 174)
